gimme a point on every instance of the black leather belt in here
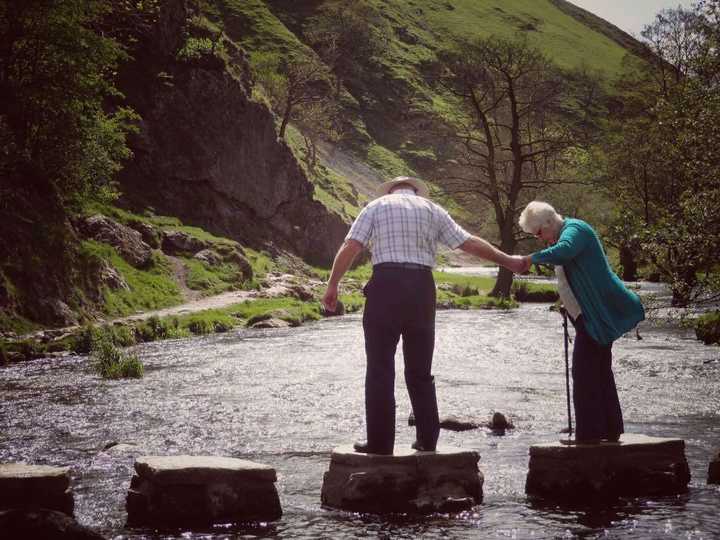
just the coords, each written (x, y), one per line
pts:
(403, 265)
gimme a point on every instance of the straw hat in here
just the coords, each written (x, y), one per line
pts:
(420, 187)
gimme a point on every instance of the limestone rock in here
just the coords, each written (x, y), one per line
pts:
(35, 486)
(636, 466)
(178, 491)
(714, 470)
(270, 322)
(43, 524)
(416, 482)
(128, 242)
(181, 243)
(209, 257)
(59, 311)
(149, 234)
(237, 257)
(111, 278)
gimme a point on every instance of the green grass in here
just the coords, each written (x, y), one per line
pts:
(212, 279)
(112, 363)
(149, 289)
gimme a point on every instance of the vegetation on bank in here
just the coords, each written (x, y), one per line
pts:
(707, 328)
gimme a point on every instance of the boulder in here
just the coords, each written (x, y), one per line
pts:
(128, 242)
(271, 322)
(181, 243)
(209, 257)
(111, 278)
(339, 310)
(499, 423)
(148, 233)
(638, 465)
(35, 486)
(43, 524)
(236, 256)
(59, 311)
(407, 481)
(714, 470)
(186, 491)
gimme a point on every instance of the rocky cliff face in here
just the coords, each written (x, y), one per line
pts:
(208, 153)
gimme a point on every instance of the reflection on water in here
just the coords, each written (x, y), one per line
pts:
(286, 397)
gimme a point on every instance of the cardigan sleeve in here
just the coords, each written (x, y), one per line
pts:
(571, 242)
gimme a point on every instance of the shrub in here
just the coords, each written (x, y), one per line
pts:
(112, 363)
(707, 328)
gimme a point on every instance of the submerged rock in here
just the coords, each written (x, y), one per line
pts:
(35, 486)
(43, 524)
(638, 465)
(408, 481)
(180, 491)
(452, 423)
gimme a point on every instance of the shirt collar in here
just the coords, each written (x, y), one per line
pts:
(404, 191)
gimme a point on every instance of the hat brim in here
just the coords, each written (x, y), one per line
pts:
(421, 187)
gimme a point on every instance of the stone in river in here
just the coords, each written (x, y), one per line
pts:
(179, 491)
(406, 482)
(638, 465)
(452, 423)
(714, 470)
(35, 486)
(41, 523)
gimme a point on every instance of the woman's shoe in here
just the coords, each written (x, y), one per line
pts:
(421, 448)
(576, 442)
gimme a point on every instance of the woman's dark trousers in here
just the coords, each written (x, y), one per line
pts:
(399, 302)
(597, 407)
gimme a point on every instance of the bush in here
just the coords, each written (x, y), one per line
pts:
(524, 292)
(112, 363)
(707, 328)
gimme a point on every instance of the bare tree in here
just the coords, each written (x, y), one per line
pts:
(513, 123)
(293, 84)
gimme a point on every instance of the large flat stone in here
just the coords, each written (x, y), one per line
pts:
(408, 481)
(201, 469)
(636, 466)
(185, 491)
(39, 486)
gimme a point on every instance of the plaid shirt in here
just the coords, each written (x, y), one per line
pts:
(402, 227)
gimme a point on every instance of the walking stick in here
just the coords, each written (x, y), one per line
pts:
(567, 371)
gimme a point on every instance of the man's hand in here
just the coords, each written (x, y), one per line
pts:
(519, 264)
(329, 299)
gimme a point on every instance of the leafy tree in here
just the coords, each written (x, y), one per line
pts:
(663, 156)
(59, 146)
(516, 124)
(347, 35)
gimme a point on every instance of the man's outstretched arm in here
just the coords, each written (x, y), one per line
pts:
(343, 259)
(485, 250)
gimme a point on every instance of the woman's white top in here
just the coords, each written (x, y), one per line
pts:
(566, 295)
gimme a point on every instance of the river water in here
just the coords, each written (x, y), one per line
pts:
(287, 397)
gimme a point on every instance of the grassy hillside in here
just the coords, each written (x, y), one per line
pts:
(392, 106)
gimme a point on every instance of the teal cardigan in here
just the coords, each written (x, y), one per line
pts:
(609, 309)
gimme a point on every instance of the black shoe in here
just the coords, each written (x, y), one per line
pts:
(421, 448)
(363, 448)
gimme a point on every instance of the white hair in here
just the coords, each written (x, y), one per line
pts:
(537, 214)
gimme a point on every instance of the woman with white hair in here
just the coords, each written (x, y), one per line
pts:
(600, 307)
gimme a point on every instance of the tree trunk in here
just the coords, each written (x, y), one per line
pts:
(503, 284)
(628, 263)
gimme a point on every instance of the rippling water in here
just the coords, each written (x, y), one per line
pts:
(287, 397)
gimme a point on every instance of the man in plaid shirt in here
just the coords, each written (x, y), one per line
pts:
(401, 228)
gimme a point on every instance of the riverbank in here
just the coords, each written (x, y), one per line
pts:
(281, 300)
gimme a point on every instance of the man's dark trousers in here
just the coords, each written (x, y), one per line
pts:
(399, 302)
(597, 408)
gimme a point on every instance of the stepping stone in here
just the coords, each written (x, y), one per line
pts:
(35, 486)
(407, 482)
(183, 491)
(714, 470)
(638, 465)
